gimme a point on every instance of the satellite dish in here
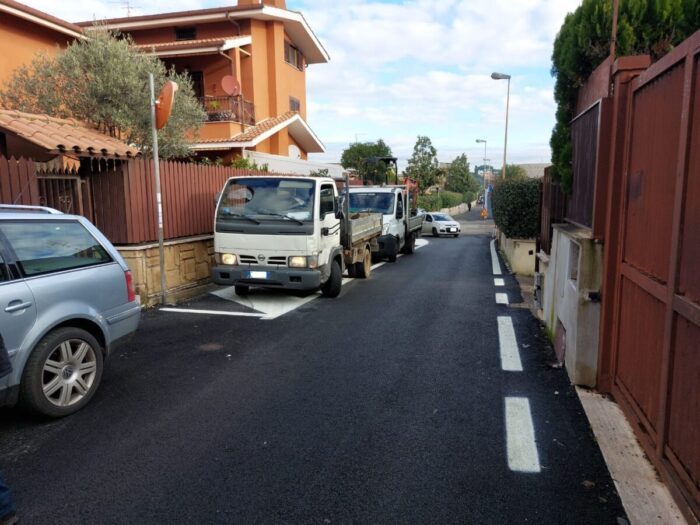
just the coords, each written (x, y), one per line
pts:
(231, 86)
(164, 104)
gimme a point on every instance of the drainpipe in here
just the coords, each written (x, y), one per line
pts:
(238, 26)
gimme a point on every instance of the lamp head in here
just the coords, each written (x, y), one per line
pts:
(500, 76)
(480, 141)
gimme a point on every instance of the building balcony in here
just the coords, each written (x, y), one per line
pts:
(228, 109)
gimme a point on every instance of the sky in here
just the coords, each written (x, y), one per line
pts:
(403, 68)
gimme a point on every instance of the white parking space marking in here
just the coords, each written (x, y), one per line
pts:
(501, 298)
(271, 304)
(421, 242)
(211, 312)
(499, 282)
(520, 434)
(494, 259)
(510, 355)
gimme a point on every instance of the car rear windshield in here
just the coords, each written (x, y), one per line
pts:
(263, 198)
(380, 202)
(44, 247)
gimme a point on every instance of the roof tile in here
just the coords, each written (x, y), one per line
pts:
(57, 135)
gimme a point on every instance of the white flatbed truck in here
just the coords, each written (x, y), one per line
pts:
(289, 232)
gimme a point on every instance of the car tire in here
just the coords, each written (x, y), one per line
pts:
(435, 233)
(62, 373)
(241, 289)
(331, 288)
(364, 268)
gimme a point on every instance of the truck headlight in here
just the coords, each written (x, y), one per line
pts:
(228, 258)
(303, 261)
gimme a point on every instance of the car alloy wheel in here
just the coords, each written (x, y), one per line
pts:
(69, 372)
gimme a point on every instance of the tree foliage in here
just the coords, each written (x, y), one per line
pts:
(650, 27)
(515, 172)
(515, 207)
(458, 177)
(103, 80)
(423, 164)
(360, 157)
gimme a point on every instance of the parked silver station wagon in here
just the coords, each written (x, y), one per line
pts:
(66, 301)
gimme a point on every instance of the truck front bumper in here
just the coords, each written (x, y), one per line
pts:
(387, 246)
(269, 276)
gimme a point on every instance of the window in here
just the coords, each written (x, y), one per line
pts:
(372, 202)
(294, 104)
(293, 56)
(270, 199)
(185, 33)
(53, 246)
(327, 200)
(197, 83)
(4, 275)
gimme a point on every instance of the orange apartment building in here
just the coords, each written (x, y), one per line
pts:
(25, 31)
(265, 48)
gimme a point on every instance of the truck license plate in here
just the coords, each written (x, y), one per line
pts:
(257, 275)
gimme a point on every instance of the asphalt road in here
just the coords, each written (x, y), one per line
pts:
(385, 405)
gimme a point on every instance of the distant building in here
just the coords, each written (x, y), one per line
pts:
(536, 170)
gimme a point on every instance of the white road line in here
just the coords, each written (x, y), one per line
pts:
(210, 312)
(520, 436)
(494, 259)
(501, 298)
(379, 264)
(510, 355)
(499, 282)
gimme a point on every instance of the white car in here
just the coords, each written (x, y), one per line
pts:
(440, 224)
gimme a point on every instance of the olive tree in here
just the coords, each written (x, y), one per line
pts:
(103, 80)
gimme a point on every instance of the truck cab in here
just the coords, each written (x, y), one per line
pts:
(278, 232)
(400, 228)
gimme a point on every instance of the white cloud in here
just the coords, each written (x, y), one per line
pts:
(403, 68)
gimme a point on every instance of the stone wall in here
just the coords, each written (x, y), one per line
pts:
(188, 263)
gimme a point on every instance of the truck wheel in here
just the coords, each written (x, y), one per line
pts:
(395, 252)
(364, 268)
(410, 246)
(331, 288)
(241, 289)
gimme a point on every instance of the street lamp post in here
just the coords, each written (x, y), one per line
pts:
(503, 76)
(479, 141)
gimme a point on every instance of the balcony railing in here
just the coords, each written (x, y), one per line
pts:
(229, 109)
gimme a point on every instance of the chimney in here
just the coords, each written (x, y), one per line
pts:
(274, 3)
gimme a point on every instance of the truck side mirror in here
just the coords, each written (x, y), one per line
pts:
(217, 196)
(339, 214)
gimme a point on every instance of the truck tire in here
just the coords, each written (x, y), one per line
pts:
(410, 246)
(331, 288)
(364, 268)
(241, 289)
(395, 252)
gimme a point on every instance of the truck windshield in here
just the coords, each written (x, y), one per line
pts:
(262, 198)
(373, 202)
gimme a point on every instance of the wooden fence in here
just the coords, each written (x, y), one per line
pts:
(121, 201)
(552, 209)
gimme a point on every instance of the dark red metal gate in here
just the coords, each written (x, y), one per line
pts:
(655, 359)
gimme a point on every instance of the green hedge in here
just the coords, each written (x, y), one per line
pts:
(515, 207)
(444, 199)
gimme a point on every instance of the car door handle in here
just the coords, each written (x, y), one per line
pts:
(16, 307)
